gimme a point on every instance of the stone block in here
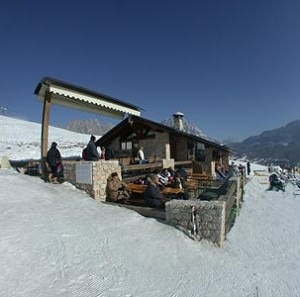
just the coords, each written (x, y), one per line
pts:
(5, 163)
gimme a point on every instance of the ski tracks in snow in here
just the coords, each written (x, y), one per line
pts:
(273, 275)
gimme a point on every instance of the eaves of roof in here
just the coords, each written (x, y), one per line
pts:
(74, 96)
(115, 130)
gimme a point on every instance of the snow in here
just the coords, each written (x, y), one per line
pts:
(57, 241)
(21, 140)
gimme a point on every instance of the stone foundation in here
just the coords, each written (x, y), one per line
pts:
(199, 219)
(91, 176)
(210, 220)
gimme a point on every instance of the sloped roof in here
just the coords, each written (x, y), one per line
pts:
(73, 96)
(136, 121)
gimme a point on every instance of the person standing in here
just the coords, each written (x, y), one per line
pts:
(108, 153)
(141, 155)
(91, 150)
(103, 153)
(53, 160)
(248, 168)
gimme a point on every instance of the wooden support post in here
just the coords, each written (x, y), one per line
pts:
(44, 136)
(168, 152)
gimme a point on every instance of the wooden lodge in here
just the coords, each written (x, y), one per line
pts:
(163, 145)
(161, 142)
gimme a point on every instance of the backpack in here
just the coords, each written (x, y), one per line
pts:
(84, 154)
(60, 169)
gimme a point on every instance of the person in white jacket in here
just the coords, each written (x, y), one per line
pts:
(141, 155)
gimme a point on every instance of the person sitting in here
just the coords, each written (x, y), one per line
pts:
(116, 189)
(179, 183)
(233, 170)
(219, 170)
(182, 172)
(53, 159)
(91, 150)
(164, 177)
(153, 196)
(171, 172)
(276, 182)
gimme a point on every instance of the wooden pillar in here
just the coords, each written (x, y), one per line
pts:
(209, 161)
(168, 152)
(44, 134)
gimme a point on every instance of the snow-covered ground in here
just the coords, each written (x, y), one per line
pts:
(21, 140)
(57, 241)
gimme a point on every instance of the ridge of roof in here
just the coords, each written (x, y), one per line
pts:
(133, 117)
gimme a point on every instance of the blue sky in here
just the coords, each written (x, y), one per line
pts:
(232, 67)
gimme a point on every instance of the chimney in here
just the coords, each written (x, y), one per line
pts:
(178, 121)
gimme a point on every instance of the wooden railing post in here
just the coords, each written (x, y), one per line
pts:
(44, 134)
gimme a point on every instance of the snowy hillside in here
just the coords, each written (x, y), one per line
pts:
(80, 247)
(21, 140)
(57, 241)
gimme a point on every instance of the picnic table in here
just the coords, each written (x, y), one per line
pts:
(136, 188)
(140, 189)
(137, 193)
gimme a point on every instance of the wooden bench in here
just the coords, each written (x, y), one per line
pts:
(171, 191)
(192, 188)
(142, 167)
(136, 188)
(201, 176)
(137, 191)
(136, 194)
(203, 181)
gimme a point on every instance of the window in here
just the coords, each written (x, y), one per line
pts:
(126, 145)
(200, 152)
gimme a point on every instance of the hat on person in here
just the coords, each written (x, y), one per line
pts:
(54, 144)
(93, 138)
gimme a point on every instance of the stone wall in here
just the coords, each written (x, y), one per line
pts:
(233, 200)
(91, 176)
(199, 219)
(208, 220)
(5, 163)
(155, 148)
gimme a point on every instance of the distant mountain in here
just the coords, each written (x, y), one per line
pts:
(91, 127)
(188, 127)
(280, 146)
(20, 140)
(95, 127)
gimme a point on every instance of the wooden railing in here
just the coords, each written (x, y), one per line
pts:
(134, 171)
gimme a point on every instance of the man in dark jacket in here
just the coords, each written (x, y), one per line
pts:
(53, 159)
(153, 196)
(91, 150)
(182, 172)
(109, 154)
